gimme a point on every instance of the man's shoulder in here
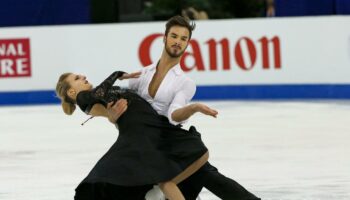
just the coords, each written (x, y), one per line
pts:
(190, 81)
(178, 71)
(184, 76)
(149, 67)
(186, 81)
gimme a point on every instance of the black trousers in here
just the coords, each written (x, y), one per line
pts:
(221, 186)
(107, 191)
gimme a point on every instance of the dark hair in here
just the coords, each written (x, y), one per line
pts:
(180, 21)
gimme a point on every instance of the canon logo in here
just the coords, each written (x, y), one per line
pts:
(244, 52)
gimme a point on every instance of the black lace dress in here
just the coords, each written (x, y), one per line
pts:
(149, 149)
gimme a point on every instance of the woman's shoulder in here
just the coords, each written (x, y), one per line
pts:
(86, 100)
(82, 96)
(83, 100)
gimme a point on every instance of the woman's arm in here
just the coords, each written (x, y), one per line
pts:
(93, 102)
(98, 110)
(101, 90)
(87, 99)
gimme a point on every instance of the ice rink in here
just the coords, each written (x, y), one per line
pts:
(278, 150)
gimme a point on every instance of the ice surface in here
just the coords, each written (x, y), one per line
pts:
(292, 150)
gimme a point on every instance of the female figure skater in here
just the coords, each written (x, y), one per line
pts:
(149, 150)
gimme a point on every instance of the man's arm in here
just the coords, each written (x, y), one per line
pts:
(180, 110)
(186, 112)
(116, 109)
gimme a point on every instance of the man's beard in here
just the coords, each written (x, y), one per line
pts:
(173, 54)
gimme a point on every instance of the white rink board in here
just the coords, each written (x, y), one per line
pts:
(314, 50)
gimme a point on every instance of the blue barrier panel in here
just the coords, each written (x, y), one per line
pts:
(273, 92)
(342, 7)
(222, 92)
(28, 98)
(304, 7)
(44, 12)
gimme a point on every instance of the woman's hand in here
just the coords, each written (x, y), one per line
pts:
(132, 75)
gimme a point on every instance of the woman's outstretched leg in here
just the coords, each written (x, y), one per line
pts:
(171, 191)
(191, 169)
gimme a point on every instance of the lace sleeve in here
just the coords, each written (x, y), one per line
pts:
(101, 90)
(86, 100)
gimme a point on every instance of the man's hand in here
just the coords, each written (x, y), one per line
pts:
(132, 75)
(186, 112)
(116, 109)
(205, 110)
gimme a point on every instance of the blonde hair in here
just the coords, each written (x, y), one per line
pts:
(62, 87)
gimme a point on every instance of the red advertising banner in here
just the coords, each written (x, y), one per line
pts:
(15, 58)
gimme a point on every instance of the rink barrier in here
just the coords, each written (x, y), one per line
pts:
(284, 58)
(29, 97)
(284, 92)
(222, 92)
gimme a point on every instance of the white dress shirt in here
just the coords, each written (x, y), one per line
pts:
(175, 91)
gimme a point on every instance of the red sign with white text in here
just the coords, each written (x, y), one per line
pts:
(15, 58)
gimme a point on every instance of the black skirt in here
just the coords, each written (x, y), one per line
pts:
(149, 150)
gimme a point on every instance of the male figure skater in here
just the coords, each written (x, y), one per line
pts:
(165, 86)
